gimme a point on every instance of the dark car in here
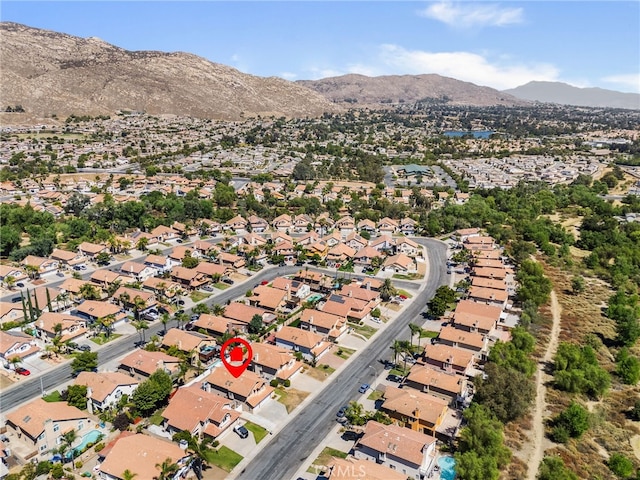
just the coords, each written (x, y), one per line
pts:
(84, 348)
(180, 302)
(60, 274)
(140, 343)
(241, 430)
(16, 299)
(180, 240)
(20, 285)
(180, 312)
(394, 378)
(227, 280)
(22, 371)
(350, 435)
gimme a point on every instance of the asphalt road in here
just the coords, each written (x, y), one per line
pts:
(284, 454)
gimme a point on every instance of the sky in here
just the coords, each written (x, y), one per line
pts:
(496, 44)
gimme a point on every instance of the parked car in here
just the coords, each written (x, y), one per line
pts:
(207, 288)
(342, 411)
(60, 274)
(180, 240)
(363, 388)
(20, 285)
(84, 348)
(394, 378)
(264, 282)
(227, 280)
(241, 430)
(16, 299)
(195, 317)
(22, 371)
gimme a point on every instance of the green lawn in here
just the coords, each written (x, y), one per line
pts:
(156, 419)
(375, 395)
(101, 339)
(398, 371)
(410, 276)
(258, 432)
(224, 457)
(364, 330)
(221, 286)
(404, 292)
(52, 397)
(325, 457)
(197, 296)
(428, 334)
(344, 352)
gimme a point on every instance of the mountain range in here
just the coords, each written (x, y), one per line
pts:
(48, 72)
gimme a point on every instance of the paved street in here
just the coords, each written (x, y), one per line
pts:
(291, 446)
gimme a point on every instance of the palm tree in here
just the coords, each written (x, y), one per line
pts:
(141, 326)
(167, 469)
(387, 290)
(32, 271)
(397, 348)
(138, 304)
(68, 439)
(128, 475)
(106, 323)
(415, 329)
(10, 281)
(217, 309)
(164, 319)
(142, 244)
(199, 452)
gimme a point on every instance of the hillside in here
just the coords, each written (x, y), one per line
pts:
(431, 88)
(48, 72)
(564, 94)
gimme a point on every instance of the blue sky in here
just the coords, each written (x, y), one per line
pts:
(498, 44)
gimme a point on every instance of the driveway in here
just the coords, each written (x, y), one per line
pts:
(243, 446)
(350, 340)
(306, 383)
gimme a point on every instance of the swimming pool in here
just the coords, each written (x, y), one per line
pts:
(90, 437)
(447, 468)
(315, 297)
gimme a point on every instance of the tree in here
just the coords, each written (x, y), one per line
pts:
(577, 285)
(576, 370)
(396, 346)
(571, 422)
(628, 367)
(553, 468)
(507, 393)
(142, 244)
(141, 326)
(103, 258)
(138, 305)
(67, 439)
(167, 469)
(85, 362)
(89, 292)
(415, 330)
(256, 324)
(121, 421)
(620, 465)
(152, 393)
(10, 281)
(387, 290)
(77, 396)
(188, 261)
(128, 475)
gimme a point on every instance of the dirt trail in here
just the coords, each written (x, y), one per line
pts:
(537, 450)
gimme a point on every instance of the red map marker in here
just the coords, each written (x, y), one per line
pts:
(236, 355)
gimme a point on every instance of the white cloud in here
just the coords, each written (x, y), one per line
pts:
(467, 66)
(627, 82)
(314, 73)
(466, 15)
(289, 75)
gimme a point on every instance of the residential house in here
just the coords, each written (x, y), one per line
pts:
(384, 243)
(326, 324)
(333, 239)
(387, 226)
(138, 271)
(313, 279)
(476, 317)
(183, 230)
(105, 389)
(490, 273)
(38, 427)
(91, 250)
(408, 226)
(489, 296)
(339, 254)
(483, 282)
(286, 250)
(278, 237)
(189, 278)
(104, 278)
(179, 252)
(72, 288)
(418, 411)
(164, 233)
(296, 291)
(300, 223)
(203, 414)
(282, 223)
(401, 449)
(268, 298)
(242, 313)
(258, 224)
(141, 364)
(464, 233)
(400, 263)
(161, 287)
(310, 345)
(213, 270)
(94, 310)
(270, 361)
(44, 265)
(161, 263)
(478, 242)
(11, 312)
(456, 337)
(205, 249)
(127, 297)
(408, 247)
(67, 259)
(346, 225)
(16, 273)
(448, 386)
(364, 257)
(450, 359)
(70, 326)
(237, 224)
(230, 260)
(358, 469)
(366, 225)
(356, 242)
(17, 344)
(199, 346)
(140, 454)
(360, 293)
(218, 326)
(251, 390)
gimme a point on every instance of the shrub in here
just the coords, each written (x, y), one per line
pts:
(287, 383)
(57, 471)
(79, 464)
(628, 367)
(99, 446)
(559, 434)
(122, 422)
(620, 465)
(553, 468)
(574, 420)
(274, 383)
(43, 467)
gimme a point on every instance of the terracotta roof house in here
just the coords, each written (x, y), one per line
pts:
(282, 223)
(139, 271)
(205, 248)
(201, 413)
(484, 282)
(200, 346)
(365, 255)
(179, 252)
(367, 225)
(159, 262)
(104, 389)
(218, 326)
(140, 454)
(9, 271)
(408, 247)
(489, 296)
(44, 265)
(372, 283)
(188, 277)
(161, 287)
(308, 343)
(400, 263)
(301, 222)
(359, 293)
(237, 224)
(384, 243)
(326, 324)
(339, 254)
(230, 260)
(242, 313)
(313, 279)
(488, 262)
(164, 233)
(72, 326)
(268, 298)
(94, 310)
(402, 449)
(103, 278)
(91, 250)
(10, 312)
(141, 363)
(479, 242)
(213, 269)
(358, 469)
(38, 425)
(308, 238)
(127, 297)
(491, 273)
(419, 411)
(17, 344)
(66, 258)
(296, 290)
(346, 225)
(476, 317)
(355, 241)
(408, 226)
(348, 306)
(332, 239)
(251, 390)
(72, 287)
(455, 337)
(426, 379)
(387, 226)
(270, 361)
(279, 236)
(258, 224)
(450, 359)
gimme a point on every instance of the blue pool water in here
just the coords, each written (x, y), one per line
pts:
(315, 297)
(91, 437)
(447, 468)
